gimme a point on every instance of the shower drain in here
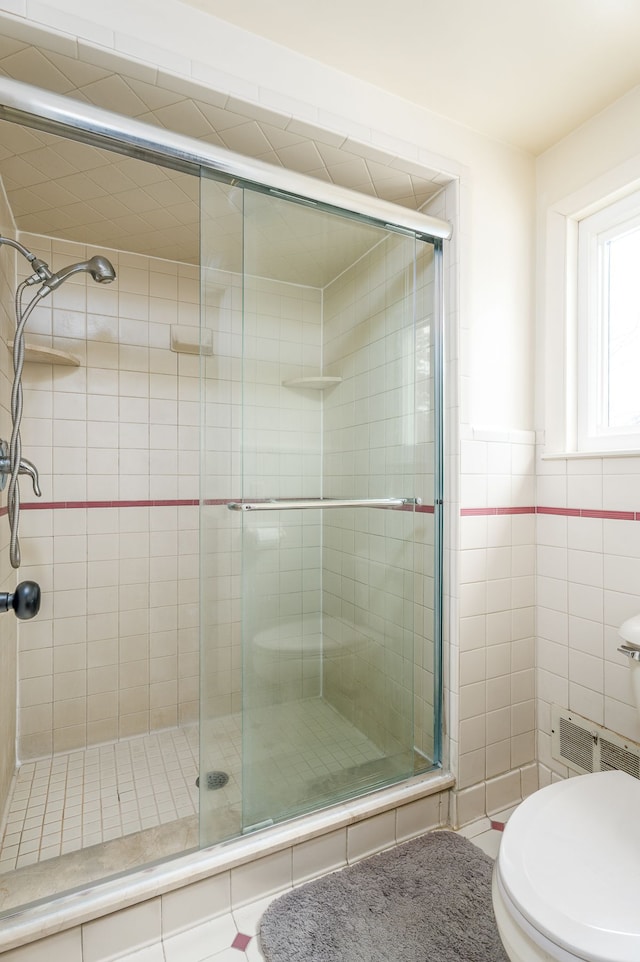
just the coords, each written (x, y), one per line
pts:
(214, 780)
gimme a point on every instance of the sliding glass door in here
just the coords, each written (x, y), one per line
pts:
(328, 516)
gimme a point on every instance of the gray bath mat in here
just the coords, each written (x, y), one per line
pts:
(428, 900)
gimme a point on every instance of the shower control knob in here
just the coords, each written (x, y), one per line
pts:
(25, 600)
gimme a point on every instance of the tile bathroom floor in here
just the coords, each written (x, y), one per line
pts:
(233, 938)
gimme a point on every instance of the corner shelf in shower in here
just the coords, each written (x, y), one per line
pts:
(315, 383)
(39, 354)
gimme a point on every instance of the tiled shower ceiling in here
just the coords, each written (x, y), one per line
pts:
(72, 191)
(76, 192)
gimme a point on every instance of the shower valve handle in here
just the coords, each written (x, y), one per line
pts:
(25, 467)
(25, 600)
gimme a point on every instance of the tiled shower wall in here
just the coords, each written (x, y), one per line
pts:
(281, 459)
(378, 599)
(588, 583)
(114, 540)
(8, 627)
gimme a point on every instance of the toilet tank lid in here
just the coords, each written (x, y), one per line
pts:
(570, 861)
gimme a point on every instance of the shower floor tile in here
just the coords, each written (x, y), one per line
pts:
(303, 754)
(76, 818)
(298, 755)
(73, 801)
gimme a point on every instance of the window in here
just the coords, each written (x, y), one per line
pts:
(608, 328)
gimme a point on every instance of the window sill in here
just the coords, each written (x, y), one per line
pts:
(583, 455)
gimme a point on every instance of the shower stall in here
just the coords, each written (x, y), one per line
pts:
(239, 543)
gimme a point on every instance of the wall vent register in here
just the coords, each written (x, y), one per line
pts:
(585, 747)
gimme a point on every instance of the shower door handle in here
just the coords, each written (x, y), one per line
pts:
(322, 503)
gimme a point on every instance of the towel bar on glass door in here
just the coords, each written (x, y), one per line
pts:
(322, 503)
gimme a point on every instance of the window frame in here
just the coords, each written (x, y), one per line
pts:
(591, 433)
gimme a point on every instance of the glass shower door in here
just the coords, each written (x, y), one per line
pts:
(333, 474)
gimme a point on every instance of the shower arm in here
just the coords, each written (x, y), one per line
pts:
(40, 267)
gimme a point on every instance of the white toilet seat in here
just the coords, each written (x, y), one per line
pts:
(524, 943)
(568, 869)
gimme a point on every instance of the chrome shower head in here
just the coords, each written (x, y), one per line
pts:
(99, 267)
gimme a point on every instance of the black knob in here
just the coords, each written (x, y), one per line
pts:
(25, 600)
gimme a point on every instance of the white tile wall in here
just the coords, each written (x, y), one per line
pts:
(587, 586)
(496, 669)
(114, 651)
(378, 565)
(279, 439)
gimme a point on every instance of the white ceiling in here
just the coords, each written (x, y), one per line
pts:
(526, 72)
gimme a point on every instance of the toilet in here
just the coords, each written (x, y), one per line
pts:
(567, 876)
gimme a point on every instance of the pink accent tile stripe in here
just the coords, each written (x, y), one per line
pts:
(591, 513)
(615, 515)
(486, 512)
(63, 505)
(558, 512)
(497, 826)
